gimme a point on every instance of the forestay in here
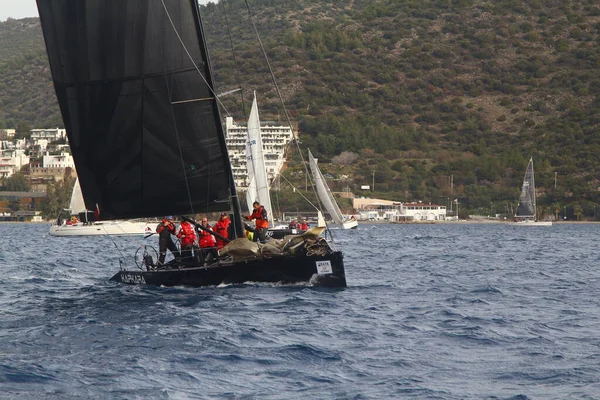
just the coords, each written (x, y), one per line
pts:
(133, 83)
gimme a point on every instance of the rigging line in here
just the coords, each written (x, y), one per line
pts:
(115, 243)
(192, 59)
(297, 190)
(287, 116)
(237, 70)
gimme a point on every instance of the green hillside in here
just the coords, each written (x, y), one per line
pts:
(419, 90)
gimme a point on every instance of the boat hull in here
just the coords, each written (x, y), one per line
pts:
(283, 232)
(532, 223)
(327, 271)
(114, 228)
(350, 224)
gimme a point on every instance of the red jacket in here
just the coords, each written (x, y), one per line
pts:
(205, 239)
(186, 234)
(170, 226)
(222, 228)
(260, 215)
(302, 226)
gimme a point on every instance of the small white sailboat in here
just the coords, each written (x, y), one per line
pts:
(526, 214)
(76, 227)
(327, 198)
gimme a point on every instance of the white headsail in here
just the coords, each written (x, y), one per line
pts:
(251, 192)
(526, 207)
(324, 193)
(77, 204)
(256, 160)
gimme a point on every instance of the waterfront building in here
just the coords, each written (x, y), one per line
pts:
(275, 139)
(378, 209)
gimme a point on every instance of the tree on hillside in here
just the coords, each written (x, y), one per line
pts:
(23, 130)
(58, 196)
(18, 182)
(345, 158)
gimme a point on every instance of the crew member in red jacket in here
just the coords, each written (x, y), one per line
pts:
(222, 228)
(208, 249)
(303, 226)
(187, 236)
(259, 215)
(165, 229)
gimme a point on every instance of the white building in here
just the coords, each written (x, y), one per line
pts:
(421, 212)
(378, 209)
(12, 161)
(7, 133)
(275, 139)
(64, 160)
(48, 134)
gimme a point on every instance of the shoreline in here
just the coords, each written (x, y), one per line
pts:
(467, 222)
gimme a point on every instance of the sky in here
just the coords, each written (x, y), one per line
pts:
(27, 8)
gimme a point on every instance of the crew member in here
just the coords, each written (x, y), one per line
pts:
(222, 228)
(293, 224)
(187, 236)
(303, 226)
(208, 249)
(259, 215)
(165, 229)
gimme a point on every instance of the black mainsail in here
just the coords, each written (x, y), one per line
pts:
(133, 82)
(526, 207)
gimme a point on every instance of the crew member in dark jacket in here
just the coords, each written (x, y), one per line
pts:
(165, 229)
(259, 215)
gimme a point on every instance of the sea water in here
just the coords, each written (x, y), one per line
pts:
(431, 312)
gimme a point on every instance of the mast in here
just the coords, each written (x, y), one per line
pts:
(235, 201)
(532, 189)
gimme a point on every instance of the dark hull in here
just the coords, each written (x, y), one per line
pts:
(273, 270)
(281, 233)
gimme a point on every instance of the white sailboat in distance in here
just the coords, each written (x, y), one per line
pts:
(526, 214)
(95, 228)
(326, 196)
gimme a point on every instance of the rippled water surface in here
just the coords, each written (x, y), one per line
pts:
(431, 312)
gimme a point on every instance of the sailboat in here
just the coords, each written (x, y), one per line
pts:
(326, 197)
(526, 214)
(135, 89)
(85, 227)
(258, 188)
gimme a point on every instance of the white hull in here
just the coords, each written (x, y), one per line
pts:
(351, 224)
(532, 223)
(116, 228)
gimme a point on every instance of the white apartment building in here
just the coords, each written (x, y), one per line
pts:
(64, 160)
(48, 134)
(275, 139)
(12, 161)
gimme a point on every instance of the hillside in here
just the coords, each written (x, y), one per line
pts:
(420, 90)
